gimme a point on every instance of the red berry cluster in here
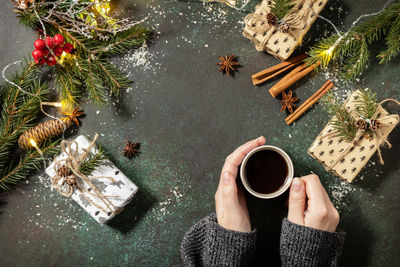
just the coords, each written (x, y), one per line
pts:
(56, 43)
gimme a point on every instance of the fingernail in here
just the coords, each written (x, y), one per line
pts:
(296, 184)
(227, 178)
(259, 139)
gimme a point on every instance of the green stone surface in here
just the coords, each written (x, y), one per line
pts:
(189, 117)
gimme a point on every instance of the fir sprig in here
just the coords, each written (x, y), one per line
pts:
(342, 121)
(351, 52)
(88, 70)
(20, 112)
(31, 160)
(366, 104)
(281, 8)
(92, 161)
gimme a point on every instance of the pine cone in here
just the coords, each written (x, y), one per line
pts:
(71, 180)
(375, 125)
(272, 19)
(361, 124)
(284, 27)
(63, 171)
(43, 131)
(51, 128)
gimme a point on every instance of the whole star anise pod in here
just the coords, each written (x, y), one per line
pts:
(227, 64)
(73, 115)
(361, 124)
(131, 149)
(288, 101)
(272, 19)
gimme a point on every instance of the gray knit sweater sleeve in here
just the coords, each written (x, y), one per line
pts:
(209, 244)
(305, 246)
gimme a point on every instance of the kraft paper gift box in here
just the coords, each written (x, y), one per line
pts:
(328, 149)
(274, 40)
(120, 191)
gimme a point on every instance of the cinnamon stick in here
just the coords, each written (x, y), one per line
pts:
(271, 72)
(288, 81)
(294, 71)
(261, 78)
(309, 102)
(309, 99)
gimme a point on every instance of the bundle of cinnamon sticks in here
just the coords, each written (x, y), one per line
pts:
(299, 70)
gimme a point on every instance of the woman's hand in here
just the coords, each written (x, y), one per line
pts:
(309, 204)
(230, 201)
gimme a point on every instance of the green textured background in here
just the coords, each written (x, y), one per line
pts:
(188, 117)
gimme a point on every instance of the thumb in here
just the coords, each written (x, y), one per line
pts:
(297, 201)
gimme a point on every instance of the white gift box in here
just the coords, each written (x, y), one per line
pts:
(119, 192)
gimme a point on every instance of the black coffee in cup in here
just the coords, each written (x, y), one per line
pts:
(266, 171)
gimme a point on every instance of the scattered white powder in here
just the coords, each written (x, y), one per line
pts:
(138, 57)
(339, 194)
(174, 196)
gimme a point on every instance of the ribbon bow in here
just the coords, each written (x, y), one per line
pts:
(68, 176)
(374, 124)
(295, 20)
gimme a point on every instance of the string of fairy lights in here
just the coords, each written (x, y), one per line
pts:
(103, 8)
(328, 52)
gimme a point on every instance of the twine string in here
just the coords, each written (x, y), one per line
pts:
(73, 162)
(295, 19)
(380, 138)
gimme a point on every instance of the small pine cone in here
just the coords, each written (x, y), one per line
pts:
(361, 124)
(272, 19)
(43, 131)
(375, 125)
(284, 27)
(71, 180)
(63, 171)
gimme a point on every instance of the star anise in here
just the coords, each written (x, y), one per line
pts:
(73, 115)
(288, 101)
(227, 64)
(131, 149)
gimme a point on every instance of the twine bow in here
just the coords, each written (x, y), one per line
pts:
(294, 21)
(68, 176)
(377, 131)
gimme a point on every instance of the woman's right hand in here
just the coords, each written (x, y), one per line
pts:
(309, 204)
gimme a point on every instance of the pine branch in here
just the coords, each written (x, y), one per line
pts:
(392, 43)
(282, 7)
(357, 62)
(366, 104)
(342, 121)
(123, 41)
(92, 161)
(19, 111)
(27, 163)
(351, 51)
(95, 40)
(68, 84)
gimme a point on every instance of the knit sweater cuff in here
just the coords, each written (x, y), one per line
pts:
(305, 246)
(209, 244)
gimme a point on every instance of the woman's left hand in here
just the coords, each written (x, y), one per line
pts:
(230, 201)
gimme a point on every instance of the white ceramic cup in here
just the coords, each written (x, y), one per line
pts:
(284, 186)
